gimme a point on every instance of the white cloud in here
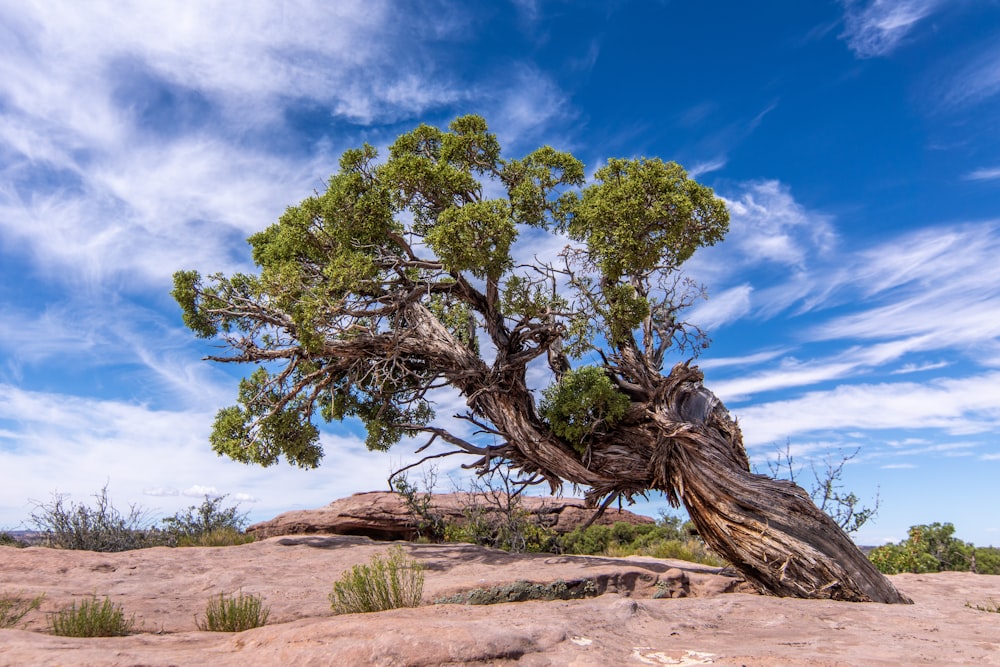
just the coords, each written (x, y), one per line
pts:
(875, 28)
(743, 361)
(985, 174)
(197, 491)
(956, 406)
(970, 82)
(940, 287)
(68, 444)
(898, 466)
(919, 368)
(701, 168)
(160, 492)
(721, 309)
(768, 225)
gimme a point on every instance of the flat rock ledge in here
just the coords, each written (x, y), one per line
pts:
(383, 515)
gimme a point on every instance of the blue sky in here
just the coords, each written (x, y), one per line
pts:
(854, 305)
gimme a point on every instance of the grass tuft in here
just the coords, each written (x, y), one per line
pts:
(14, 607)
(384, 583)
(992, 606)
(234, 613)
(216, 537)
(91, 619)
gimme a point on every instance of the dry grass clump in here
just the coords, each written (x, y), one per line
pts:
(91, 619)
(15, 606)
(384, 583)
(992, 606)
(234, 613)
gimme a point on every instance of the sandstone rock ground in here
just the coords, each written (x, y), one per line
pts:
(168, 588)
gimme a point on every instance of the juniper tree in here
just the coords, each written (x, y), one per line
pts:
(404, 277)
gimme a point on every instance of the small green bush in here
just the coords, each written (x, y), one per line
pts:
(384, 583)
(217, 537)
(664, 539)
(8, 540)
(91, 619)
(209, 524)
(14, 607)
(234, 614)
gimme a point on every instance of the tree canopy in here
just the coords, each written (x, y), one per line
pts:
(402, 276)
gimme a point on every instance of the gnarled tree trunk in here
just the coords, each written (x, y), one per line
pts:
(681, 441)
(769, 529)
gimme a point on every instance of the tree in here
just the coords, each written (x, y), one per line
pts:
(401, 278)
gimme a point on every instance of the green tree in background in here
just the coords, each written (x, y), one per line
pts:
(402, 278)
(933, 548)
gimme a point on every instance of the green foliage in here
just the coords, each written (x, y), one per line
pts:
(227, 613)
(665, 539)
(91, 619)
(583, 402)
(8, 540)
(428, 523)
(14, 607)
(98, 528)
(208, 524)
(384, 583)
(987, 560)
(517, 531)
(332, 320)
(217, 537)
(521, 591)
(930, 548)
(643, 214)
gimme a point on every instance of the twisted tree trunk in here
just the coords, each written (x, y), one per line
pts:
(770, 530)
(681, 441)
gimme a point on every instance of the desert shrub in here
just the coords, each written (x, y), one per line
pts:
(987, 560)
(427, 522)
(205, 518)
(517, 530)
(98, 528)
(931, 548)
(14, 607)
(667, 538)
(8, 540)
(91, 619)
(384, 583)
(217, 537)
(208, 524)
(992, 606)
(234, 614)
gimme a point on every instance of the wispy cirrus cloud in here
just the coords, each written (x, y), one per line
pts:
(874, 28)
(969, 79)
(984, 174)
(955, 406)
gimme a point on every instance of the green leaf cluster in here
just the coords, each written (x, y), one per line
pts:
(644, 214)
(582, 403)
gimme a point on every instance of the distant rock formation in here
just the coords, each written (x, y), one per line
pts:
(383, 515)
